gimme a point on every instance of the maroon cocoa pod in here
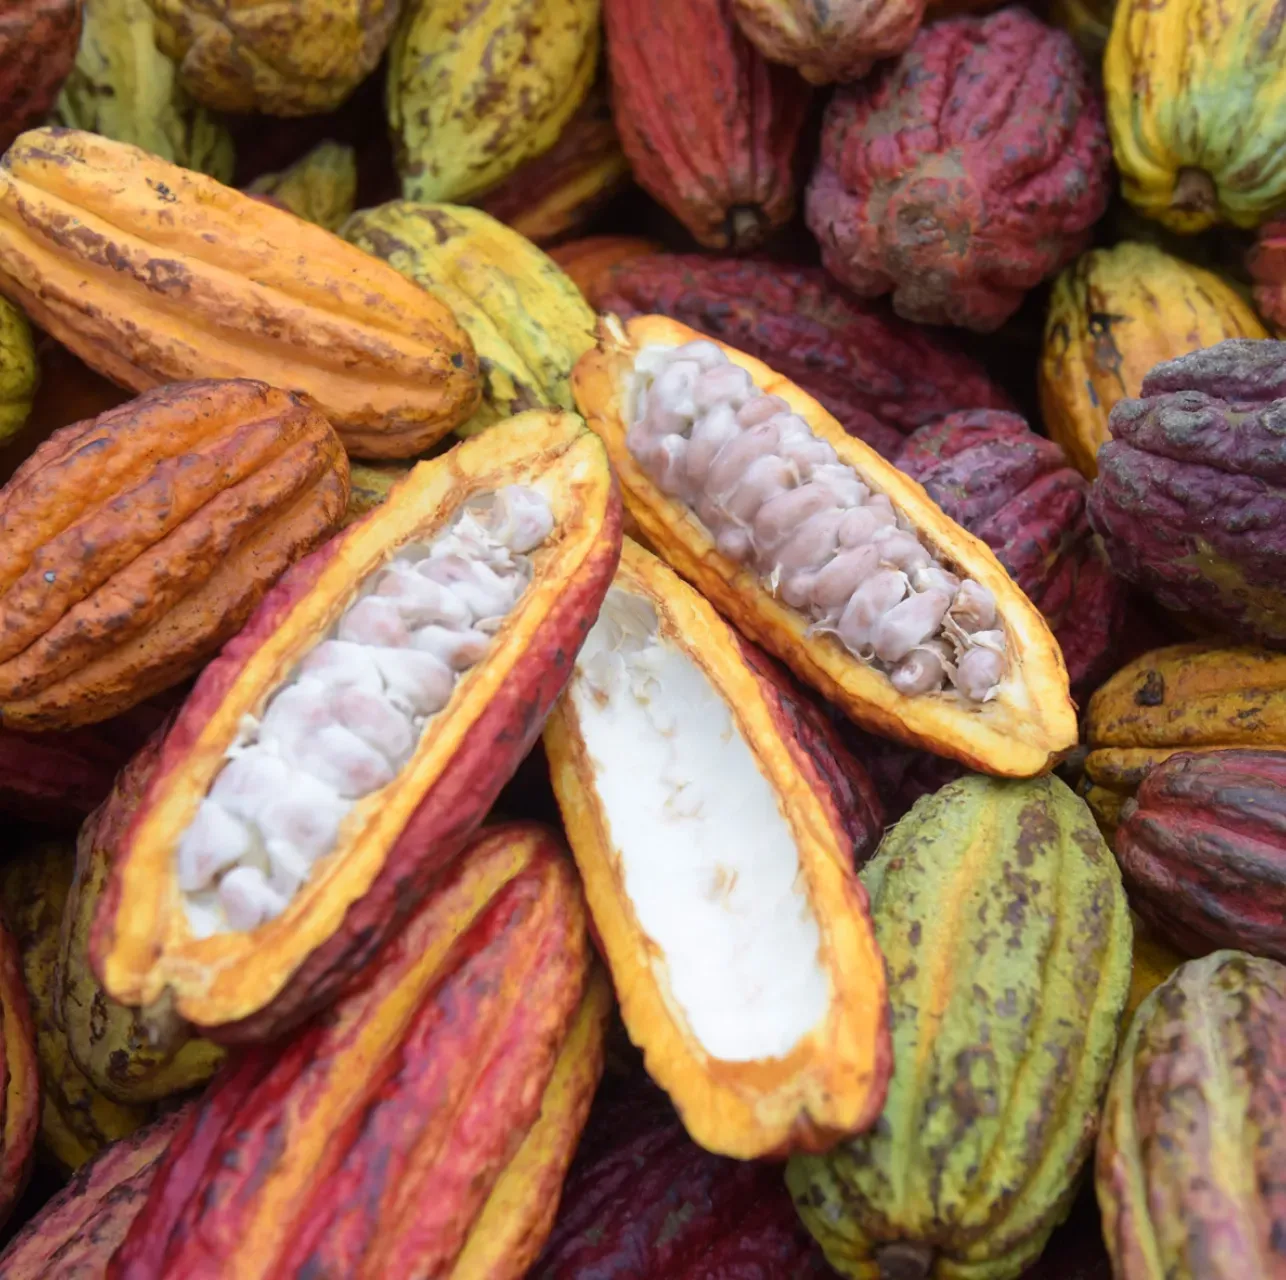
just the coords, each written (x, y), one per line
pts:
(1017, 492)
(1267, 263)
(901, 774)
(1190, 497)
(38, 41)
(879, 376)
(965, 172)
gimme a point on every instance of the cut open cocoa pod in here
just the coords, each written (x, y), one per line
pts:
(824, 553)
(370, 1144)
(346, 744)
(719, 872)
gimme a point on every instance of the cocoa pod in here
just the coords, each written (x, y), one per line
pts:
(1191, 1162)
(262, 295)
(1203, 852)
(136, 543)
(319, 187)
(589, 261)
(764, 1045)
(19, 372)
(1007, 711)
(19, 1079)
(368, 486)
(709, 126)
(37, 48)
(1267, 263)
(1006, 933)
(355, 745)
(881, 377)
(368, 1145)
(1154, 962)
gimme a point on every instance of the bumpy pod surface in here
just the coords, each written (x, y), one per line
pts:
(961, 175)
(1191, 1165)
(37, 47)
(1267, 264)
(136, 543)
(125, 88)
(253, 905)
(722, 893)
(1185, 697)
(879, 376)
(1002, 919)
(19, 372)
(369, 1144)
(589, 261)
(1191, 489)
(1113, 315)
(1013, 489)
(152, 274)
(249, 55)
(527, 320)
(1203, 852)
(1015, 717)
(473, 91)
(710, 127)
(320, 186)
(1195, 108)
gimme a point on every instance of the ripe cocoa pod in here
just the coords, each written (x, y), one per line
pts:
(528, 322)
(368, 486)
(709, 126)
(744, 962)
(369, 1144)
(136, 543)
(1113, 315)
(964, 173)
(262, 296)
(1191, 1162)
(881, 377)
(1002, 919)
(355, 746)
(1267, 264)
(19, 372)
(37, 47)
(19, 1078)
(1185, 697)
(589, 261)
(1006, 712)
(238, 56)
(1203, 854)
(76, 1121)
(320, 187)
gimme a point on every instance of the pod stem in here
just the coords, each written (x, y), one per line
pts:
(904, 1261)
(1194, 192)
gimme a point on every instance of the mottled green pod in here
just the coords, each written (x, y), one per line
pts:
(1191, 1166)
(19, 372)
(321, 186)
(1007, 938)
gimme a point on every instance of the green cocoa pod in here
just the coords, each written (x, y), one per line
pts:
(125, 88)
(1005, 930)
(1191, 1163)
(19, 372)
(321, 187)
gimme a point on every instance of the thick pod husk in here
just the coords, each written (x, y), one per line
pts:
(252, 986)
(152, 274)
(820, 1081)
(1023, 730)
(369, 1145)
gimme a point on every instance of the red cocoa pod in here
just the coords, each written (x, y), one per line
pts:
(348, 862)
(1267, 263)
(964, 173)
(880, 377)
(369, 1144)
(900, 774)
(38, 41)
(1017, 492)
(1202, 847)
(709, 127)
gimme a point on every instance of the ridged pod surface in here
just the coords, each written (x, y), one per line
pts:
(255, 984)
(320, 187)
(19, 372)
(589, 260)
(370, 1143)
(1194, 105)
(1113, 315)
(152, 274)
(1002, 919)
(136, 543)
(474, 90)
(1268, 267)
(1191, 1166)
(37, 47)
(528, 322)
(710, 126)
(807, 1059)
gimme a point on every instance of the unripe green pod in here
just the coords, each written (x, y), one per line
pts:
(19, 373)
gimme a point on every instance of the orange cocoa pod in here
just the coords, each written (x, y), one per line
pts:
(133, 545)
(369, 1144)
(170, 275)
(18, 1078)
(341, 750)
(972, 672)
(588, 262)
(716, 840)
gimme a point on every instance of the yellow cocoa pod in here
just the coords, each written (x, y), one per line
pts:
(1113, 315)
(19, 372)
(1154, 962)
(368, 486)
(321, 186)
(476, 89)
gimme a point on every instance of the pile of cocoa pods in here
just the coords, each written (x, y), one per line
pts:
(643, 638)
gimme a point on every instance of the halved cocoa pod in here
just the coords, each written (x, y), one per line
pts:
(347, 743)
(823, 552)
(369, 1144)
(719, 873)
(133, 545)
(19, 1082)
